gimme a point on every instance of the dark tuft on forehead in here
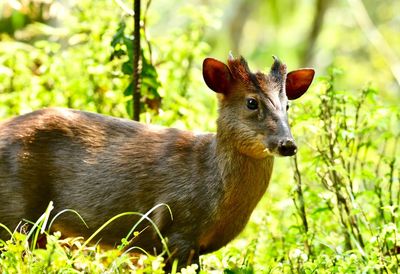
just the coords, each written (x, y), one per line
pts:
(240, 71)
(239, 68)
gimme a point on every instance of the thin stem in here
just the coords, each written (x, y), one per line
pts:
(301, 207)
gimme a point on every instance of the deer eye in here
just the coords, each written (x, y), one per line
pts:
(287, 106)
(252, 103)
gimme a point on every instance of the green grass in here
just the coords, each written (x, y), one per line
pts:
(21, 254)
(255, 251)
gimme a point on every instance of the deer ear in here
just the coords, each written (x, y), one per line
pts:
(217, 75)
(298, 81)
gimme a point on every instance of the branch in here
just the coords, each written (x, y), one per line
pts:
(307, 53)
(237, 22)
(136, 61)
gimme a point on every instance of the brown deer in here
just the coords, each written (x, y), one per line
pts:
(102, 166)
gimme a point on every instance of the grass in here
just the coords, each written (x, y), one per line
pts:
(21, 254)
(273, 242)
(36, 250)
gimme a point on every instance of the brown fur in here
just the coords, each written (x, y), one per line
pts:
(102, 166)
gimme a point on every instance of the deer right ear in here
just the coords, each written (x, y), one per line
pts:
(217, 75)
(298, 81)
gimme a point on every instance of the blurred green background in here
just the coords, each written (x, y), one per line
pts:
(77, 54)
(58, 52)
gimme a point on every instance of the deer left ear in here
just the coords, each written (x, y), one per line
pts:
(298, 81)
(217, 75)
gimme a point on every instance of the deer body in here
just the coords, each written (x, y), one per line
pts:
(102, 166)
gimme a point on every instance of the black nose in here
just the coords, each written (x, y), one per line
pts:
(287, 147)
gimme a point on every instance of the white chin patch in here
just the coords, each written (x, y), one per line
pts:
(268, 151)
(271, 152)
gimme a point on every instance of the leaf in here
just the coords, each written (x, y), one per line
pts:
(129, 107)
(128, 42)
(127, 68)
(321, 209)
(118, 36)
(128, 90)
(117, 53)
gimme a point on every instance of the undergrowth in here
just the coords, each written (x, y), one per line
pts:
(337, 212)
(33, 249)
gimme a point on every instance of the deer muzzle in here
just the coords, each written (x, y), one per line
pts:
(287, 147)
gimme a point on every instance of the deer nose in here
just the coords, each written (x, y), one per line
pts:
(287, 147)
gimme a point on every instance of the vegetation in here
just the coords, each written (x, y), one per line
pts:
(337, 208)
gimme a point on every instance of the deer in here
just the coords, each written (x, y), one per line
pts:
(101, 166)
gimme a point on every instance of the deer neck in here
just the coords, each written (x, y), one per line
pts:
(244, 178)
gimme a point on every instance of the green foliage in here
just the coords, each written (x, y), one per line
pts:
(180, 55)
(64, 67)
(123, 44)
(68, 256)
(337, 212)
(21, 253)
(342, 213)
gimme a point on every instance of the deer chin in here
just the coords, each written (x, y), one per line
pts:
(269, 152)
(272, 152)
(256, 150)
(260, 149)
(269, 149)
(264, 153)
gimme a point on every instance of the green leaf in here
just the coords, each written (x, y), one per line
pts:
(128, 90)
(129, 107)
(128, 42)
(127, 68)
(119, 35)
